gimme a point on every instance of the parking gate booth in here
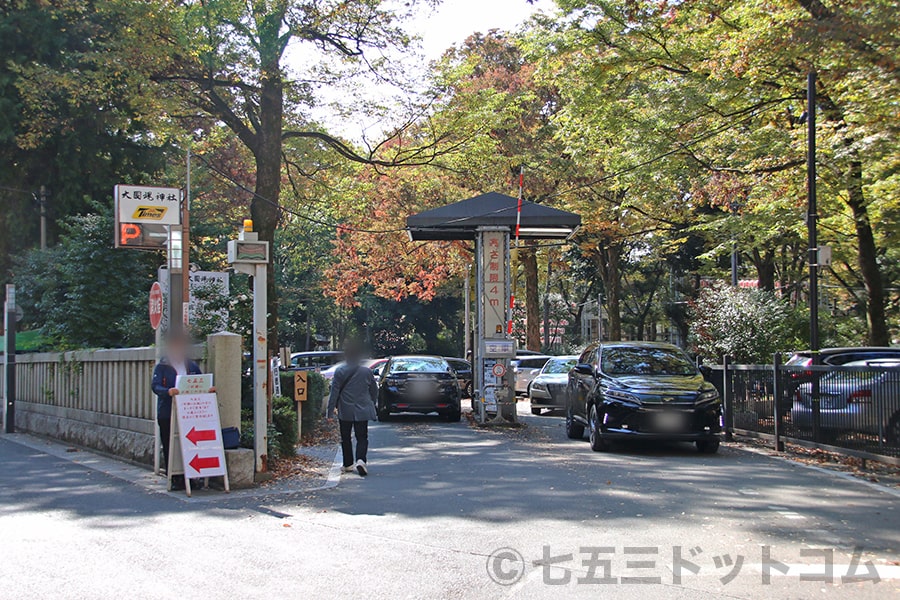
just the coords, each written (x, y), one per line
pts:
(490, 220)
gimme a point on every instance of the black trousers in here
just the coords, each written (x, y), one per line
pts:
(165, 430)
(361, 428)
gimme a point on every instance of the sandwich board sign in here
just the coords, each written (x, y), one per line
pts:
(196, 449)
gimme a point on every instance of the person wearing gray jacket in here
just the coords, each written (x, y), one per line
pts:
(353, 394)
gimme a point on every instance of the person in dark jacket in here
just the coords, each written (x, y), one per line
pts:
(174, 363)
(353, 393)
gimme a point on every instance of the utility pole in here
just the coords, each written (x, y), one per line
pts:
(186, 247)
(10, 374)
(812, 213)
(734, 265)
(811, 222)
(43, 206)
(467, 329)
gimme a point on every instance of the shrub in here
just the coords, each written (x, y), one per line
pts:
(747, 325)
(284, 419)
(281, 432)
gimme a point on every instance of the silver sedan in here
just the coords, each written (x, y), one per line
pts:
(548, 389)
(862, 398)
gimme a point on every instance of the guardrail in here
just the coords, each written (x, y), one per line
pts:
(849, 410)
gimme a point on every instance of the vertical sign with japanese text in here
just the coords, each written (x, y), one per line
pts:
(494, 269)
(493, 246)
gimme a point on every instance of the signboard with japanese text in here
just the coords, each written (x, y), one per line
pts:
(194, 384)
(204, 285)
(147, 204)
(200, 435)
(301, 386)
(495, 348)
(495, 273)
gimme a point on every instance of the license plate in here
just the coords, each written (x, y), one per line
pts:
(669, 421)
(421, 387)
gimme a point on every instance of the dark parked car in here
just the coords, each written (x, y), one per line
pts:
(548, 389)
(464, 374)
(422, 384)
(641, 390)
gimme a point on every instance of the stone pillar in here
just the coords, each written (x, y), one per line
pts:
(224, 362)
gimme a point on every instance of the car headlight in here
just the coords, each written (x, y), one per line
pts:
(708, 397)
(622, 396)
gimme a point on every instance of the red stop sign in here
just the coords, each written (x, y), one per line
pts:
(156, 305)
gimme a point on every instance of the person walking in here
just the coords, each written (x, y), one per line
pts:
(353, 394)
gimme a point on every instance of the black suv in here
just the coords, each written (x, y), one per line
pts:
(641, 390)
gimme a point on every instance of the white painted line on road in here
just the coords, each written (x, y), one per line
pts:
(786, 512)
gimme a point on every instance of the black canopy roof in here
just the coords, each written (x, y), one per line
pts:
(459, 221)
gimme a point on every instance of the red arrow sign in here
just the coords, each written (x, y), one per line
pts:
(197, 463)
(204, 435)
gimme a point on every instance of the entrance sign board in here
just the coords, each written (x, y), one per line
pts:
(200, 435)
(147, 204)
(194, 384)
(301, 386)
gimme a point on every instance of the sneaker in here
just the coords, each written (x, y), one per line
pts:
(348, 469)
(361, 468)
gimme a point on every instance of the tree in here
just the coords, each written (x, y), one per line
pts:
(679, 98)
(57, 129)
(83, 293)
(224, 60)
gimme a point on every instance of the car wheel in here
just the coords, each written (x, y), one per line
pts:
(574, 430)
(384, 413)
(892, 433)
(470, 390)
(708, 446)
(536, 411)
(454, 415)
(598, 444)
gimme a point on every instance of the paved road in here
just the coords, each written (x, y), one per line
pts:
(428, 522)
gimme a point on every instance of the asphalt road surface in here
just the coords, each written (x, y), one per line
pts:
(450, 511)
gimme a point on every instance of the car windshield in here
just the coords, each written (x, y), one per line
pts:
(645, 361)
(419, 365)
(559, 365)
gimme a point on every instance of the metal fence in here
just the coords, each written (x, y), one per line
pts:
(854, 410)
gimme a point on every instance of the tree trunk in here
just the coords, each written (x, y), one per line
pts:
(610, 257)
(267, 154)
(547, 301)
(532, 301)
(765, 269)
(867, 259)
